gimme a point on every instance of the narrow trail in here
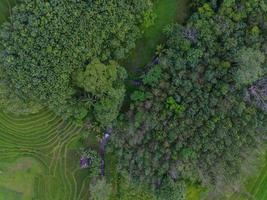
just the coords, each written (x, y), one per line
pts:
(102, 145)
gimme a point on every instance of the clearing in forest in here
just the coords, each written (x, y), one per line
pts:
(166, 12)
(5, 9)
(256, 186)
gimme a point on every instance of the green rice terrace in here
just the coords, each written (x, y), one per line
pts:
(39, 159)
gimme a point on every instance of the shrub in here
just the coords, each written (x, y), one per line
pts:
(100, 190)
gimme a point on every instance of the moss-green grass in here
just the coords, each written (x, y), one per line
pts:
(195, 192)
(258, 186)
(17, 178)
(38, 159)
(255, 186)
(5, 9)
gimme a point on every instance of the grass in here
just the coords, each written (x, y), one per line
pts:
(5, 9)
(17, 178)
(256, 186)
(9, 194)
(39, 160)
(195, 192)
(167, 12)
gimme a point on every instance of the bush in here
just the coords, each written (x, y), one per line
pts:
(153, 76)
(94, 167)
(172, 190)
(100, 190)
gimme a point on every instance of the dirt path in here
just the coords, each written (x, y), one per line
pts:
(102, 145)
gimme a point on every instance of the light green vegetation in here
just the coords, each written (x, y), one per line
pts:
(5, 9)
(256, 186)
(17, 178)
(39, 159)
(167, 12)
(195, 193)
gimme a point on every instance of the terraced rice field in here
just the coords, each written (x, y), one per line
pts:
(39, 159)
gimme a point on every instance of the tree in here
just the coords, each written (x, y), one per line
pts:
(172, 190)
(105, 85)
(11, 103)
(250, 63)
(106, 109)
(98, 79)
(153, 76)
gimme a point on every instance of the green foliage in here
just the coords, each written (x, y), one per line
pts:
(250, 62)
(153, 76)
(149, 18)
(9, 102)
(98, 79)
(172, 190)
(106, 109)
(174, 106)
(194, 123)
(93, 155)
(206, 10)
(166, 12)
(130, 190)
(138, 96)
(45, 43)
(104, 84)
(100, 190)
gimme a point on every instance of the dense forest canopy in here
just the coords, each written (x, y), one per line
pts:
(190, 120)
(46, 42)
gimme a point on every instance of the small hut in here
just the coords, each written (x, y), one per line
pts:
(85, 162)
